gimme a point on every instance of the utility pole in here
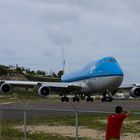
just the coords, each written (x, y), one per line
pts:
(63, 60)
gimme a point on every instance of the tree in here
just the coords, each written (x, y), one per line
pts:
(60, 73)
(18, 69)
(54, 74)
(39, 72)
(3, 71)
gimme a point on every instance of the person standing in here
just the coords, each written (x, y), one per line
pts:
(114, 123)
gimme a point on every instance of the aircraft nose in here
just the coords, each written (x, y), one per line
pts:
(117, 70)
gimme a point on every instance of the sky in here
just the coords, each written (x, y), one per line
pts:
(34, 32)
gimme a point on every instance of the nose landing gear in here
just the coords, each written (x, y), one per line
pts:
(106, 97)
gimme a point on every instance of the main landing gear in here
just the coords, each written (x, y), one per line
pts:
(63, 99)
(89, 99)
(76, 98)
(66, 99)
(106, 97)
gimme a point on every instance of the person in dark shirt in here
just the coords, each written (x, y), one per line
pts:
(115, 123)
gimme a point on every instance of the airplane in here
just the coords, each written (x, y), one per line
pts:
(103, 76)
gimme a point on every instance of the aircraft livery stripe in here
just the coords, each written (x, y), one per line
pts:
(87, 77)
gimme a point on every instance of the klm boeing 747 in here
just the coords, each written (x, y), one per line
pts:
(104, 75)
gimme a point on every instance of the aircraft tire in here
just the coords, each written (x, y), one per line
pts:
(91, 99)
(88, 99)
(66, 99)
(74, 99)
(103, 100)
(77, 99)
(62, 99)
(106, 99)
(110, 100)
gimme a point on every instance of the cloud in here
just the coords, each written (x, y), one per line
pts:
(7, 52)
(32, 32)
(48, 53)
(58, 36)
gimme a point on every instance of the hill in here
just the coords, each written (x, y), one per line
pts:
(21, 73)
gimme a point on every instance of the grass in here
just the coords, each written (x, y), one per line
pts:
(83, 120)
(92, 121)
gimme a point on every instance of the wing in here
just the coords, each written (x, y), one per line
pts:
(44, 88)
(134, 89)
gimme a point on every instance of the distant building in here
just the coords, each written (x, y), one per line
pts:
(12, 69)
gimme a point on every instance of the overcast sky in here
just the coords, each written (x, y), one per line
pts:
(33, 33)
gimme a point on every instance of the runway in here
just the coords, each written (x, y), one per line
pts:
(7, 114)
(82, 105)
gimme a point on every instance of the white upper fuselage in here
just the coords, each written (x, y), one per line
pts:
(99, 76)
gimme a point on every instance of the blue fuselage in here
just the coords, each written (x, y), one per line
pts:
(101, 75)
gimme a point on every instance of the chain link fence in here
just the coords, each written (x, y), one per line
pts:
(44, 124)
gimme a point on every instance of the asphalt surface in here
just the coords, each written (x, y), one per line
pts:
(46, 107)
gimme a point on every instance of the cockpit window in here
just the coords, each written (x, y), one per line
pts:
(111, 60)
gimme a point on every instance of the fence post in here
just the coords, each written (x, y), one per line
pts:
(25, 120)
(76, 123)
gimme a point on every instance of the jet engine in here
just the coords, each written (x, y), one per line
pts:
(44, 91)
(135, 92)
(5, 88)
